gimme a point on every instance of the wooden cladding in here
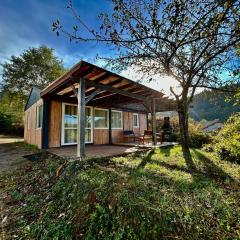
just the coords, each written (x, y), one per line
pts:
(100, 136)
(32, 134)
(55, 124)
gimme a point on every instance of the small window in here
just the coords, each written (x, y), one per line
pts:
(117, 120)
(135, 120)
(100, 118)
(39, 116)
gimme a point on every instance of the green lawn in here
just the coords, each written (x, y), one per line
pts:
(153, 195)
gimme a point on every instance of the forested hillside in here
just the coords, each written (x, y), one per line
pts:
(211, 105)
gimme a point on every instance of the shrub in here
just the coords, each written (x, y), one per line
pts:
(197, 136)
(5, 121)
(227, 141)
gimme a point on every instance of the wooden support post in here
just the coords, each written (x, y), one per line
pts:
(45, 124)
(154, 130)
(110, 126)
(147, 121)
(81, 120)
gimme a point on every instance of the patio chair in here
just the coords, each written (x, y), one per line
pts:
(146, 137)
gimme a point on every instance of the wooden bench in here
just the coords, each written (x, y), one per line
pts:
(129, 136)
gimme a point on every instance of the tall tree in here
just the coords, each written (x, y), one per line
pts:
(35, 66)
(192, 42)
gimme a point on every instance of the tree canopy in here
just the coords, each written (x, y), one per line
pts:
(192, 42)
(35, 66)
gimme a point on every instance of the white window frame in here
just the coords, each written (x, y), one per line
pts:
(103, 109)
(121, 119)
(63, 128)
(37, 115)
(136, 114)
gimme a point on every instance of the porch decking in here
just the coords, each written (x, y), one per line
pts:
(94, 151)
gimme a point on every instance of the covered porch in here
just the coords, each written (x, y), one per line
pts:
(90, 87)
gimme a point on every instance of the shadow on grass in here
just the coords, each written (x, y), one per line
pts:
(210, 168)
(165, 151)
(145, 160)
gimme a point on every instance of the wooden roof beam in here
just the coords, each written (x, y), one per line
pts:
(106, 87)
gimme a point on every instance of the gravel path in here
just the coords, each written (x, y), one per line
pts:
(12, 151)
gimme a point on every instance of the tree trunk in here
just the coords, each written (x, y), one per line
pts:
(184, 135)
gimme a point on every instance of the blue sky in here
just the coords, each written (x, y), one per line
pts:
(28, 23)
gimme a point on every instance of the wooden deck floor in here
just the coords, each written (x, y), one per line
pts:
(94, 151)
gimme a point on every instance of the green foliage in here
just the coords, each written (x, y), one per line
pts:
(228, 140)
(211, 105)
(35, 66)
(151, 195)
(13, 105)
(197, 136)
(5, 121)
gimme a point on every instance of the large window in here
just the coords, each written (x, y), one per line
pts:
(117, 120)
(135, 120)
(39, 116)
(100, 118)
(70, 124)
(70, 121)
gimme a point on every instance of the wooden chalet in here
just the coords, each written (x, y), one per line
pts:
(90, 105)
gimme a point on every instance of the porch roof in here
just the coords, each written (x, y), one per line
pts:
(106, 89)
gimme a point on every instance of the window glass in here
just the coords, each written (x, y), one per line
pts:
(70, 124)
(116, 119)
(70, 136)
(39, 116)
(100, 118)
(88, 136)
(88, 117)
(135, 120)
(70, 116)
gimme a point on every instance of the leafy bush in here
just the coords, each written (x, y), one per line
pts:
(227, 141)
(197, 136)
(5, 121)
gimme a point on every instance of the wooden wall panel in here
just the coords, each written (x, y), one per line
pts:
(32, 135)
(117, 135)
(142, 122)
(101, 136)
(55, 124)
(26, 130)
(128, 121)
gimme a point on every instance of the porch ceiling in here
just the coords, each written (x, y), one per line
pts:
(114, 90)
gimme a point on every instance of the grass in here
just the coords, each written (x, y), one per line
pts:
(152, 195)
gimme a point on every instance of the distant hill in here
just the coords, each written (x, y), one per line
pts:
(212, 105)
